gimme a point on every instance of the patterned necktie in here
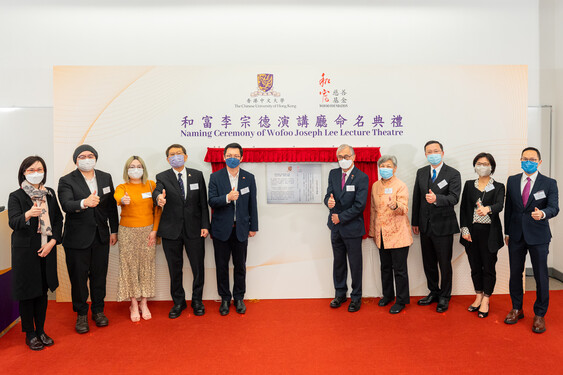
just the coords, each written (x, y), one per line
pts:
(526, 191)
(433, 174)
(181, 183)
(343, 180)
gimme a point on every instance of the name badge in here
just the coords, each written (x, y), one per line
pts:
(194, 186)
(539, 195)
(442, 183)
(106, 190)
(146, 195)
(388, 190)
(489, 188)
(245, 190)
(350, 187)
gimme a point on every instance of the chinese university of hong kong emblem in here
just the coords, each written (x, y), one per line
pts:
(265, 85)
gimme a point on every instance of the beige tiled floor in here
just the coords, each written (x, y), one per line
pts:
(554, 284)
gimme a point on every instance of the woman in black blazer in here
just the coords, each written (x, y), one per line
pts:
(36, 219)
(481, 231)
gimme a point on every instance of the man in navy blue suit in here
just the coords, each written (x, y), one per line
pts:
(346, 198)
(232, 196)
(531, 200)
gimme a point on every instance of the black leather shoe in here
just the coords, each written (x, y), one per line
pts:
(442, 305)
(82, 324)
(176, 310)
(337, 302)
(428, 300)
(241, 307)
(198, 307)
(385, 301)
(472, 308)
(46, 340)
(34, 344)
(355, 305)
(224, 309)
(100, 319)
(396, 308)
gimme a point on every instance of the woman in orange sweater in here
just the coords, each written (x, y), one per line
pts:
(137, 238)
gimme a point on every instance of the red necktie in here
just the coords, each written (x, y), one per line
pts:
(526, 191)
(343, 180)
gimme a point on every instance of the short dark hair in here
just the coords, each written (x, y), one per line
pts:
(531, 149)
(489, 157)
(28, 162)
(432, 142)
(232, 145)
(175, 145)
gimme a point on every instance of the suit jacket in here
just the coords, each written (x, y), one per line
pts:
(438, 218)
(81, 225)
(222, 218)
(518, 221)
(26, 265)
(189, 213)
(350, 202)
(495, 200)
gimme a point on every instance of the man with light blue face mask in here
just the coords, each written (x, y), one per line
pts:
(531, 200)
(436, 191)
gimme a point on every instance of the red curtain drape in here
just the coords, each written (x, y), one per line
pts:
(366, 161)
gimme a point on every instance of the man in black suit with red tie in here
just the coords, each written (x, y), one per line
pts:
(436, 191)
(182, 194)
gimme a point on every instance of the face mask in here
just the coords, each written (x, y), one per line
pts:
(345, 164)
(530, 167)
(434, 159)
(34, 178)
(176, 161)
(386, 173)
(135, 172)
(232, 162)
(483, 170)
(86, 165)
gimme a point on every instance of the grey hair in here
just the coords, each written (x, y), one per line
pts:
(385, 158)
(343, 146)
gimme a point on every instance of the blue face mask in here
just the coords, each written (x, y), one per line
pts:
(232, 162)
(434, 159)
(530, 167)
(386, 173)
(176, 161)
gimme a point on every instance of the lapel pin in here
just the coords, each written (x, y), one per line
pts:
(243, 177)
(189, 175)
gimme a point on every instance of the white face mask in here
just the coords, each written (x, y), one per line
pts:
(345, 164)
(483, 170)
(34, 178)
(135, 172)
(86, 165)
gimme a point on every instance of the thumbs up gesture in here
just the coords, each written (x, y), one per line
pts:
(430, 197)
(392, 204)
(537, 214)
(126, 199)
(93, 200)
(233, 195)
(161, 199)
(34, 211)
(331, 202)
(482, 211)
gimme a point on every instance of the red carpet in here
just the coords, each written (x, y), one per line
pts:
(296, 336)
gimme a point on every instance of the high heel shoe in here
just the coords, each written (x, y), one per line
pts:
(145, 312)
(483, 314)
(472, 308)
(135, 317)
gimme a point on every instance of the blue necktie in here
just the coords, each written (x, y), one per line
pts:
(433, 175)
(181, 183)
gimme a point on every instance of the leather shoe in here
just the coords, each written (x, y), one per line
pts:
(442, 305)
(176, 310)
(539, 324)
(514, 316)
(396, 308)
(224, 309)
(100, 319)
(241, 307)
(34, 344)
(337, 302)
(46, 340)
(355, 305)
(385, 301)
(428, 300)
(198, 307)
(82, 324)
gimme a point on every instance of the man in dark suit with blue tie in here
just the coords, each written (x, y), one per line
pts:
(531, 200)
(182, 194)
(232, 196)
(346, 198)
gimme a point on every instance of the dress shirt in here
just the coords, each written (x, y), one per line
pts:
(184, 179)
(438, 169)
(93, 186)
(524, 181)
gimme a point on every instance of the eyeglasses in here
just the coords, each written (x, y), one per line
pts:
(31, 170)
(532, 160)
(176, 153)
(483, 164)
(346, 157)
(90, 156)
(232, 156)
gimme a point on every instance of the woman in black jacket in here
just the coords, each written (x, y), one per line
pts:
(37, 223)
(481, 231)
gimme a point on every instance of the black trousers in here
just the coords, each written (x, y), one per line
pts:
(350, 248)
(223, 251)
(174, 252)
(394, 267)
(437, 253)
(88, 264)
(34, 310)
(481, 260)
(517, 258)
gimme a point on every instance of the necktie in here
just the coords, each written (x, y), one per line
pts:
(433, 175)
(343, 180)
(181, 183)
(526, 191)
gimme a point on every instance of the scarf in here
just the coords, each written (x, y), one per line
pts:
(38, 197)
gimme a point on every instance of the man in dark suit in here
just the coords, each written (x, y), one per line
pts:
(232, 196)
(531, 200)
(86, 195)
(182, 194)
(436, 191)
(346, 198)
